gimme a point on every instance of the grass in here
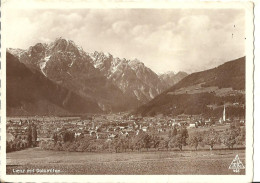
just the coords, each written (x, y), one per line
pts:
(129, 163)
(199, 89)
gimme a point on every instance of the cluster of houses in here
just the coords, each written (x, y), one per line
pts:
(110, 126)
(17, 134)
(16, 128)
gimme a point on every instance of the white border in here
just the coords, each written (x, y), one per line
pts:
(257, 94)
(135, 178)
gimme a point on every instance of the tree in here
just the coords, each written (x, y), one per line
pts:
(34, 135)
(116, 144)
(241, 139)
(184, 135)
(166, 143)
(211, 138)
(139, 140)
(121, 144)
(174, 131)
(29, 136)
(131, 144)
(180, 139)
(147, 141)
(170, 134)
(83, 144)
(58, 146)
(55, 137)
(231, 135)
(66, 146)
(176, 141)
(68, 136)
(155, 141)
(195, 139)
(73, 146)
(229, 139)
(8, 146)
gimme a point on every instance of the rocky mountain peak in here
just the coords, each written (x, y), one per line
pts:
(92, 74)
(131, 76)
(135, 64)
(37, 51)
(168, 73)
(64, 45)
(170, 78)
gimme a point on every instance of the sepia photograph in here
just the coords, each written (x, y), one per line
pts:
(128, 90)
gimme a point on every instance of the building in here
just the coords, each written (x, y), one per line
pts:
(224, 113)
(223, 119)
(192, 125)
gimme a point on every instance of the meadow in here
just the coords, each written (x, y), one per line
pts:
(201, 162)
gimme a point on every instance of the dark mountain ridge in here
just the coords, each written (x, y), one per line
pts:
(29, 92)
(198, 92)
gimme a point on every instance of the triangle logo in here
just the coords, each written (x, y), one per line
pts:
(236, 165)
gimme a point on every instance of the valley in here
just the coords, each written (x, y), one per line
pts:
(112, 83)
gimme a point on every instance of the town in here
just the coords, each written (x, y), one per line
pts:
(107, 127)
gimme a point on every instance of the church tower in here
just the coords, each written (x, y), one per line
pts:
(224, 113)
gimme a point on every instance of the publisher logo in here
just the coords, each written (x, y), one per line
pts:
(236, 165)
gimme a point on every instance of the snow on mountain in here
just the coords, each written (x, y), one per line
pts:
(17, 52)
(109, 80)
(66, 64)
(30, 93)
(131, 76)
(43, 64)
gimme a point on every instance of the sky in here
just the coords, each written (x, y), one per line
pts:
(164, 40)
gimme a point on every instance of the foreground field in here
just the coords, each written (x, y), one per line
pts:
(163, 162)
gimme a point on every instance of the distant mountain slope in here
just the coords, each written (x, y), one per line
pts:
(131, 76)
(203, 93)
(29, 92)
(170, 78)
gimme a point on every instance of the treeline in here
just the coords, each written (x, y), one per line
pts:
(29, 139)
(192, 104)
(177, 138)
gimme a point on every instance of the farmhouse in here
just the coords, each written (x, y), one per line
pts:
(144, 128)
(192, 125)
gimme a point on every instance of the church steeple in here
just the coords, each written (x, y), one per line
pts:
(224, 113)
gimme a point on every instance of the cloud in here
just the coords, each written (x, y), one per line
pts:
(164, 39)
(121, 27)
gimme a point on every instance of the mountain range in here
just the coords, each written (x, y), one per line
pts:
(204, 92)
(101, 80)
(132, 77)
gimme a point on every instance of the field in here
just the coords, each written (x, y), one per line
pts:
(129, 163)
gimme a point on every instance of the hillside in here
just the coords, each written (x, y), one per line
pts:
(203, 93)
(31, 93)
